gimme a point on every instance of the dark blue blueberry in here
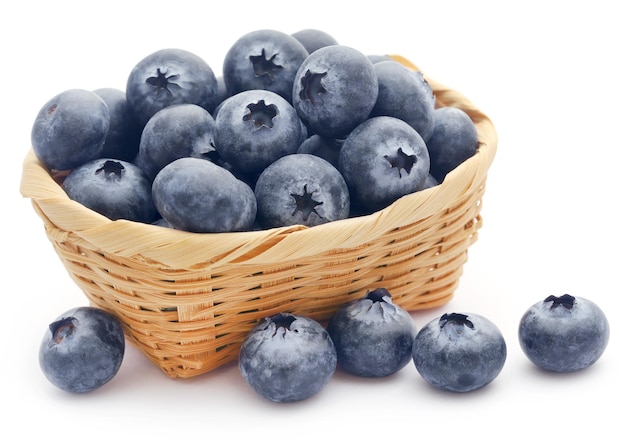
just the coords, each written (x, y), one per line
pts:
(301, 189)
(372, 335)
(379, 58)
(335, 90)
(197, 195)
(82, 349)
(287, 358)
(122, 140)
(254, 128)
(459, 352)
(177, 131)
(453, 141)
(264, 59)
(404, 94)
(323, 147)
(313, 39)
(70, 129)
(429, 182)
(382, 160)
(564, 334)
(168, 77)
(113, 188)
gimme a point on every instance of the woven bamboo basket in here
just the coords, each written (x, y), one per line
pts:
(187, 300)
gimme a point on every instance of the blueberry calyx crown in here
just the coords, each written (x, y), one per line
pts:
(455, 318)
(378, 295)
(162, 81)
(61, 329)
(111, 170)
(282, 320)
(566, 301)
(402, 161)
(263, 66)
(312, 86)
(261, 114)
(305, 204)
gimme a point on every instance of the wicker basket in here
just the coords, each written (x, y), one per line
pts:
(187, 300)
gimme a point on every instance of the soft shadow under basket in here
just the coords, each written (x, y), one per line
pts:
(187, 300)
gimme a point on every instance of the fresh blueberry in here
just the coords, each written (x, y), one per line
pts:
(379, 58)
(372, 335)
(323, 147)
(167, 77)
(301, 189)
(264, 59)
(453, 141)
(335, 90)
(459, 352)
(177, 131)
(564, 334)
(197, 195)
(113, 188)
(70, 129)
(122, 139)
(254, 128)
(287, 358)
(313, 39)
(82, 349)
(382, 160)
(404, 94)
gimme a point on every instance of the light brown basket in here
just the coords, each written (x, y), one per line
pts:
(187, 300)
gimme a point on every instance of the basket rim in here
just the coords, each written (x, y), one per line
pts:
(182, 250)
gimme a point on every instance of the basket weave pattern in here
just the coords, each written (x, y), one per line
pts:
(188, 300)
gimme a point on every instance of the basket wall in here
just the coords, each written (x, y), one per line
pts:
(188, 300)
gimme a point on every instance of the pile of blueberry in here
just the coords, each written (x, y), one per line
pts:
(289, 357)
(298, 129)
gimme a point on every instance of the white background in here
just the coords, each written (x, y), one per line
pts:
(550, 74)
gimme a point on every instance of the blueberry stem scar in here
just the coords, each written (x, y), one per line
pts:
(455, 318)
(565, 300)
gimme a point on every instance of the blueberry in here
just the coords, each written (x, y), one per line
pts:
(459, 352)
(564, 334)
(313, 39)
(70, 129)
(167, 77)
(323, 147)
(287, 358)
(429, 182)
(113, 188)
(255, 128)
(379, 58)
(382, 160)
(264, 59)
(372, 335)
(453, 141)
(122, 139)
(177, 131)
(197, 195)
(301, 189)
(335, 90)
(404, 94)
(82, 349)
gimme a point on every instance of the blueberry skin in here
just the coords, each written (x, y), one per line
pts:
(168, 77)
(301, 189)
(564, 334)
(454, 140)
(404, 94)
(254, 128)
(382, 160)
(199, 196)
(70, 129)
(177, 131)
(459, 352)
(372, 335)
(287, 358)
(113, 188)
(313, 39)
(82, 349)
(335, 90)
(323, 147)
(122, 139)
(264, 59)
